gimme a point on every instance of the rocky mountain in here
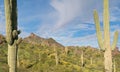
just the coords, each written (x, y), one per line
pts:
(34, 39)
(50, 42)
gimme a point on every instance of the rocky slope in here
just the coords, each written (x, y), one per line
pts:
(34, 39)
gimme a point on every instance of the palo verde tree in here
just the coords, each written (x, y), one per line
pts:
(12, 33)
(104, 44)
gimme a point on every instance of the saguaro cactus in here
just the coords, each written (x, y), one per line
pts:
(82, 58)
(105, 44)
(56, 54)
(114, 65)
(66, 50)
(12, 33)
(91, 60)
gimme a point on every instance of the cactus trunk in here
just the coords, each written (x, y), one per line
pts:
(56, 55)
(104, 44)
(12, 33)
(108, 60)
(114, 66)
(12, 58)
(91, 61)
(107, 54)
(82, 59)
(66, 50)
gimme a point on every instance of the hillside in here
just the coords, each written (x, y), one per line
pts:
(35, 57)
(34, 39)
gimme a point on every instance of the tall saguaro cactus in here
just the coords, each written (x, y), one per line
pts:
(104, 44)
(12, 33)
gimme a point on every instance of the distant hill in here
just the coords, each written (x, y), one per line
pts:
(34, 39)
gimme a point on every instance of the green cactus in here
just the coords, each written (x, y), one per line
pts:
(56, 54)
(66, 50)
(104, 44)
(114, 65)
(12, 33)
(91, 60)
(82, 58)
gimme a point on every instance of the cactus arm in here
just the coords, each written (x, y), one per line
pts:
(115, 40)
(98, 30)
(19, 41)
(16, 33)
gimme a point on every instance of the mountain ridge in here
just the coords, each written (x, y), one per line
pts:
(34, 39)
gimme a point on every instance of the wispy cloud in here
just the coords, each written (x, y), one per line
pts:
(65, 14)
(68, 10)
(78, 41)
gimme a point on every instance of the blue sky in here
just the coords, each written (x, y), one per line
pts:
(70, 22)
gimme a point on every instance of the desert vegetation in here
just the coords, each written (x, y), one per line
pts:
(42, 58)
(37, 54)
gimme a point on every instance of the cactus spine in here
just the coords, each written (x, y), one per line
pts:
(105, 44)
(12, 33)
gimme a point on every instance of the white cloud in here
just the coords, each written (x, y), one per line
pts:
(84, 26)
(89, 40)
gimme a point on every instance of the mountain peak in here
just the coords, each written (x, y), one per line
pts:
(32, 35)
(34, 39)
